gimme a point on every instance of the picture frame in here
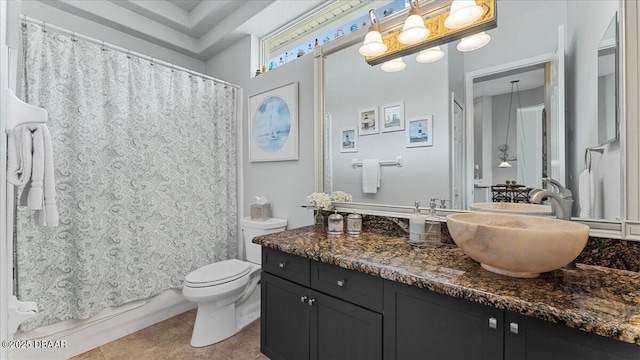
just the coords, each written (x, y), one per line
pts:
(419, 131)
(273, 124)
(348, 139)
(392, 117)
(368, 123)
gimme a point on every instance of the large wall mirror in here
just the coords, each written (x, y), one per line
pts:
(540, 87)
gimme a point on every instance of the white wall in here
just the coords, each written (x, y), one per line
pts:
(285, 183)
(585, 29)
(352, 85)
(41, 11)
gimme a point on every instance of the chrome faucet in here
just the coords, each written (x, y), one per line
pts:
(561, 200)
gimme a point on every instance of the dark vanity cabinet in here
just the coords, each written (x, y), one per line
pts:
(420, 324)
(312, 310)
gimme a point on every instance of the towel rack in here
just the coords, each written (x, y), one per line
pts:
(587, 155)
(397, 162)
(19, 112)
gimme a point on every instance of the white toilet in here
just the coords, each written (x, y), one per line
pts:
(227, 292)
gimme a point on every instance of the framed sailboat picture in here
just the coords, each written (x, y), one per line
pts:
(273, 124)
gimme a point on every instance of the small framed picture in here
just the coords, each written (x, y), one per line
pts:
(348, 140)
(392, 117)
(419, 131)
(368, 122)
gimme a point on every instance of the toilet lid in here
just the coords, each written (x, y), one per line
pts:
(219, 272)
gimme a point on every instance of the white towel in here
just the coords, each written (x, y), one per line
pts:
(587, 194)
(30, 163)
(370, 176)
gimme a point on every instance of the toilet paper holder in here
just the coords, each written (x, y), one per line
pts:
(19, 312)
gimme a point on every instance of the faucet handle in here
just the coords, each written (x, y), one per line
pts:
(559, 188)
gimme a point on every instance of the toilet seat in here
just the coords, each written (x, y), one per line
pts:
(218, 273)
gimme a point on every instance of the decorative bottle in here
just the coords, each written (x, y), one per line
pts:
(336, 224)
(417, 227)
(433, 233)
(318, 225)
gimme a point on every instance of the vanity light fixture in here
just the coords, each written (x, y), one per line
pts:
(397, 35)
(430, 55)
(413, 30)
(373, 45)
(503, 148)
(393, 65)
(462, 13)
(473, 42)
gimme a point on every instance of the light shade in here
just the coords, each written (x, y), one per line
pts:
(393, 65)
(462, 13)
(430, 55)
(373, 45)
(473, 42)
(413, 30)
(504, 164)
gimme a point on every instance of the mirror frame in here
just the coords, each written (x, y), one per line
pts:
(629, 35)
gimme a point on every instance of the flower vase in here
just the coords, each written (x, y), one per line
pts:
(318, 221)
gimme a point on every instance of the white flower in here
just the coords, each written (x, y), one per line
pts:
(341, 196)
(319, 200)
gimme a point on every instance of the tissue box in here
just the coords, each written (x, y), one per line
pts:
(260, 212)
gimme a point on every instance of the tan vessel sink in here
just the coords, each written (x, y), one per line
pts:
(513, 208)
(517, 245)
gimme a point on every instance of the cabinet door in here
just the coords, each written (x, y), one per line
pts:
(341, 330)
(533, 339)
(284, 323)
(421, 324)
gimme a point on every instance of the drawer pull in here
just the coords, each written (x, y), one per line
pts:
(513, 328)
(311, 301)
(303, 299)
(493, 323)
(282, 264)
(341, 282)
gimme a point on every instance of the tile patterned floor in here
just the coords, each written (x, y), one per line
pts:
(170, 340)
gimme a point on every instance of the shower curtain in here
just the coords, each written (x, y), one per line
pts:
(145, 167)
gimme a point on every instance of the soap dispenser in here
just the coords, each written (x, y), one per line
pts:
(432, 225)
(417, 227)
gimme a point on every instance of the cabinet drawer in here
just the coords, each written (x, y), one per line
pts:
(356, 287)
(287, 266)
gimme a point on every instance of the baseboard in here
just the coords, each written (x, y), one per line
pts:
(109, 325)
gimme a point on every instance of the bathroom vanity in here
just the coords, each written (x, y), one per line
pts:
(374, 296)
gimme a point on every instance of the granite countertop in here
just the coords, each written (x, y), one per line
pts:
(595, 299)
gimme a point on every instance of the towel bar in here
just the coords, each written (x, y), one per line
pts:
(397, 162)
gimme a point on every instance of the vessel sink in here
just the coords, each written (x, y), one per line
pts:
(513, 208)
(517, 245)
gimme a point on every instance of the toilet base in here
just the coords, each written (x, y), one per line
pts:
(223, 320)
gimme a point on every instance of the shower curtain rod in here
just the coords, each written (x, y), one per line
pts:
(47, 26)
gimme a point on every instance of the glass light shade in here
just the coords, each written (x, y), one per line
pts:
(462, 13)
(373, 45)
(413, 30)
(393, 65)
(504, 164)
(473, 42)
(430, 55)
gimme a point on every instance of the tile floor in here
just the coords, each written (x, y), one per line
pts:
(170, 340)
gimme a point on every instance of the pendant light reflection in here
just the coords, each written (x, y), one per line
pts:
(413, 30)
(504, 148)
(473, 42)
(393, 65)
(462, 13)
(373, 45)
(504, 164)
(430, 55)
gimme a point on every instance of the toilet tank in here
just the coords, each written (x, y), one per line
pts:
(252, 228)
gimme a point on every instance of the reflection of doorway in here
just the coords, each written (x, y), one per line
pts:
(457, 154)
(530, 145)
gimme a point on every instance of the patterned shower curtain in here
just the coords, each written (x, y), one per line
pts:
(145, 167)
